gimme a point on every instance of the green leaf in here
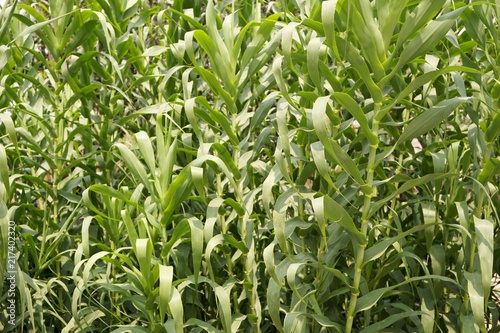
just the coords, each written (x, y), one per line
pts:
(217, 50)
(321, 123)
(388, 15)
(261, 36)
(219, 118)
(485, 231)
(493, 129)
(353, 108)
(491, 168)
(180, 230)
(177, 309)
(318, 154)
(8, 18)
(408, 185)
(273, 294)
(224, 307)
(85, 32)
(220, 163)
(111, 192)
(269, 262)
(196, 227)
(361, 20)
(154, 51)
(430, 118)
(325, 208)
(177, 192)
(428, 307)
(420, 16)
(129, 225)
(346, 162)
(167, 165)
(202, 324)
(144, 253)
(35, 27)
(328, 9)
(215, 241)
(287, 44)
(476, 297)
(166, 275)
(367, 301)
(360, 65)
(5, 54)
(135, 166)
(146, 149)
(427, 38)
(313, 58)
(380, 248)
(379, 326)
(280, 80)
(271, 180)
(4, 171)
(209, 78)
(216, 87)
(429, 218)
(418, 82)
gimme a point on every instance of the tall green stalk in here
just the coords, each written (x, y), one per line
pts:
(359, 259)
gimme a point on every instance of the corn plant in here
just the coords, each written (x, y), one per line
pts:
(250, 166)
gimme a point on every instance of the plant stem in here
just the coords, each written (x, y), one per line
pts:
(364, 228)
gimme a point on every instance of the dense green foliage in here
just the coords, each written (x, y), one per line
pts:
(251, 166)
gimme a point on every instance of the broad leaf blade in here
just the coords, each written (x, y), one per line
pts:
(430, 118)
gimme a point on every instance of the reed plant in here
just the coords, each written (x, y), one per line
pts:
(250, 166)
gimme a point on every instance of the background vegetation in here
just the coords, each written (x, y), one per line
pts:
(251, 166)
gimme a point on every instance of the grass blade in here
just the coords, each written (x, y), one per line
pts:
(427, 120)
